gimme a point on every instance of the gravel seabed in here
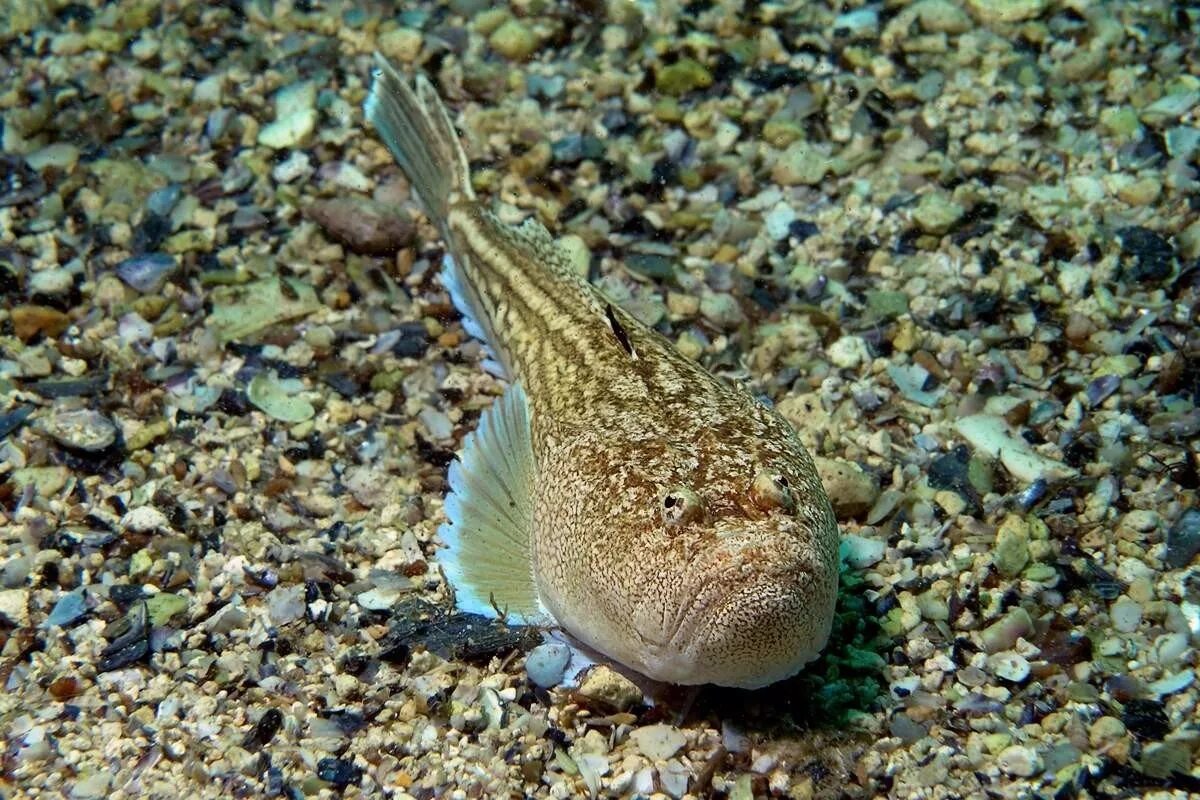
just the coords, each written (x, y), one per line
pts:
(956, 244)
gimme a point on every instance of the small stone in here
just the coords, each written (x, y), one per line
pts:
(852, 490)
(1183, 539)
(1004, 632)
(147, 272)
(1152, 256)
(163, 606)
(83, 429)
(1163, 760)
(1146, 719)
(802, 164)
(514, 40)
(941, 16)
(1012, 546)
(1126, 615)
(722, 310)
(1019, 761)
(1009, 665)
(69, 609)
(278, 398)
(684, 76)
(779, 220)
(91, 785)
(936, 213)
(906, 728)
(295, 117)
(144, 519)
(658, 742)
(285, 604)
(400, 44)
(14, 607)
(364, 226)
(1105, 732)
(339, 772)
(860, 552)
(46, 481)
(605, 686)
(848, 352)
(29, 321)
(547, 664)
(51, 282)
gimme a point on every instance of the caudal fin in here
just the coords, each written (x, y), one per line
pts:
(414, 125)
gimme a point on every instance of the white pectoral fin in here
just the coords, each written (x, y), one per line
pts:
(489, 515)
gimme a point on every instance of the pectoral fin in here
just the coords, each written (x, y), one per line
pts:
(489, 517)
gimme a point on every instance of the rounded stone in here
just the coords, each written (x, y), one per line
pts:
(1019, 761)
(547, 663)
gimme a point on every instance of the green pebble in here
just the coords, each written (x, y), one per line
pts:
(161, 607)
(684, 76)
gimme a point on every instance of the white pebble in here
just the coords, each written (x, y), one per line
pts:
(1009, 665)
(778, 221)
(144, 519)
(1126, 615)
(547, 663)
(1019, 761)
(658, 742)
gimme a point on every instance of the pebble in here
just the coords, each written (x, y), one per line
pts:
(295, 117)
(144, 519)
(86, 430)
(1010, 666)
(1183, 539)
(848, 352)
(514, 40)
(658, 742)
(721, 310)
(1147, 255)
(292, 168)
(685, 75)
(936, 213)
(278, 398)
(1012, 546)
(147, 272)
(161, 607)
(779, 220)
(51, 282)
(1020, 761)
(1126, 615)
(801, 164)
(30, 321)
(851, 489)
(285, 604)
(860, 552)
(364, 226)
(1004, 632)
(70, 608)
(339, 772)
(14, 607)
(604, 685)
(547, 664)
(400, 44)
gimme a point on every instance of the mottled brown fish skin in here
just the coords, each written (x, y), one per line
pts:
(741, 591)
(679, 527)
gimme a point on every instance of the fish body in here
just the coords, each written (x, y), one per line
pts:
(658, 514)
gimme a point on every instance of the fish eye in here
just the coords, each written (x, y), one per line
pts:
(772, 490)
(681, 506)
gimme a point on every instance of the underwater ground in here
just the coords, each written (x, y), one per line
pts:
(956, 244)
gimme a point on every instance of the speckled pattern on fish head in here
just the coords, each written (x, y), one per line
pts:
(663, 516)
(682, 520)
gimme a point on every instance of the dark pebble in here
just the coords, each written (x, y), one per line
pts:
(1183, 539)
(11, 421)
(150, 233)
(949, 471)
(450, 634)
(129, 652)
(1146, 719)
(339, 772)
(776, 76)
(652, 265)
(573, 148)
(1101, 389)
(1152, 256)
(802, 229)
(343, 383)
(413, 341)
(264, 730)
(19, 182)
(71, 387)
(125, 594)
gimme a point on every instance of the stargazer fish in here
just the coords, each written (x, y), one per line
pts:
(658, 514)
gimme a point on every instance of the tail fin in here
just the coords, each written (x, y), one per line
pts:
(414, 125)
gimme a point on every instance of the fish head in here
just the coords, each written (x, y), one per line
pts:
(752, 580)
